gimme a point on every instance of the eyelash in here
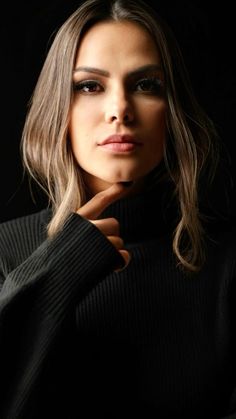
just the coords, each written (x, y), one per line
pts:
(157, 84)
(155, 89)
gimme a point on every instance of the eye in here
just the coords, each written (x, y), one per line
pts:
(88, 86)
(151, 85)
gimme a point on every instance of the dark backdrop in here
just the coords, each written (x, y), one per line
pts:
(205, 34)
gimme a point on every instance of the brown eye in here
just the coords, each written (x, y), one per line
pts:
(149, 85)
(88, 86)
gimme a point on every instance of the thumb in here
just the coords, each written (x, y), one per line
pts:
(95, 206)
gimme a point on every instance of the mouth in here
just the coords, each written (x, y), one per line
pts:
(120, 143)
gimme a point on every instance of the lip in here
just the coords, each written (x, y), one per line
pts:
(120, 143)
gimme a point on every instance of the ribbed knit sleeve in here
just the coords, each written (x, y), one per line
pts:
(38, 295)
(232, 298)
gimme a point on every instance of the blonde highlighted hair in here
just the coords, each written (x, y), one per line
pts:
(47, 153)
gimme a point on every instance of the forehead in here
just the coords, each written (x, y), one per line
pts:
(117, 43)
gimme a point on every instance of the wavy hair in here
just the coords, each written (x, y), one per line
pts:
(47, 153)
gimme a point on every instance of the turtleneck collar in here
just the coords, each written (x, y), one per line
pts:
(146, 215)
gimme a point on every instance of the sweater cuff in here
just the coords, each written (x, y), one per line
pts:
(80, 247)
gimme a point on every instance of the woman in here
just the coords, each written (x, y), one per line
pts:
(116, 300)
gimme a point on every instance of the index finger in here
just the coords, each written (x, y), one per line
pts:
(95, 206)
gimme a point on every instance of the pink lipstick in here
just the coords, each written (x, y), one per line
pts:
(120, 143)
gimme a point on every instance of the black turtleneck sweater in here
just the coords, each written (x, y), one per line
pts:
(79, 340)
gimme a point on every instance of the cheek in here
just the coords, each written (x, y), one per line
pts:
(155, 120)
(83, 119)
(83, 115)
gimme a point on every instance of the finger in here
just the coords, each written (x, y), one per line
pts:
(126, 257)
(94, 207)
(108, 226)
(117, 242)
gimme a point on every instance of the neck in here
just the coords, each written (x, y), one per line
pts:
(147, 214)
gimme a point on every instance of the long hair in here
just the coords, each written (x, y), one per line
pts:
(47, 153)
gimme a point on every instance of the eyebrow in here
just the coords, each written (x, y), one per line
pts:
(143, 69)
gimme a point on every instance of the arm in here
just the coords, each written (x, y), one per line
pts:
(36, 298)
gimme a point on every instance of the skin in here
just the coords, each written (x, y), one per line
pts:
(119, 99)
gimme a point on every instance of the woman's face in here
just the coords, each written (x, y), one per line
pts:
(117, 125)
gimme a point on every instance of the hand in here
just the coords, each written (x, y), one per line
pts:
(108, 226)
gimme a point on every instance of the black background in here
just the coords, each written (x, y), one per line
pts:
(206, 36)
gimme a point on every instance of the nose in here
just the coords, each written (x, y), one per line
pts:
(119, 108)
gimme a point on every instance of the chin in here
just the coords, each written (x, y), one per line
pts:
(119, 179)
(113, 177)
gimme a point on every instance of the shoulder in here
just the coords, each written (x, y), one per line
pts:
(25, 223)
(19, 237)
(223, 236)
(221, 250)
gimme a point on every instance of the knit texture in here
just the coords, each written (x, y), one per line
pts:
(79, 339)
